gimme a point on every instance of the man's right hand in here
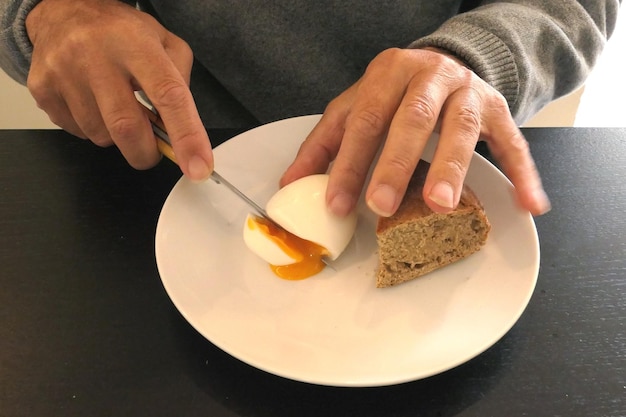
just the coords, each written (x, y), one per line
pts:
(90, 56)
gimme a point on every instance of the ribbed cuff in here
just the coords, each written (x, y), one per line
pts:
(21, 36)
(482, 51)
(16, 49)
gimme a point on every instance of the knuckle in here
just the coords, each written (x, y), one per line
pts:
(519, 144)
(455, 166)
(66, 122)
(35, 85)
(498, 103)
(40, 90)
(421, 111)
(43, 100)
(468, 120)
(335, 106)
(169, 92)
(186, 139)
(441, 62)
(401, 165)
(123, 127)
(513, 145)
(448, 71)
(183, 47)
(95, 131)
(77, 43)
(57, 120)
(142, 162)
(101, 139)
(180, 51)
(389, 56)
(351, 170)
(466, 75)
(368, 122)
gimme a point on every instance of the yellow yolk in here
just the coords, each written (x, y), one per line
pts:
(307, 255)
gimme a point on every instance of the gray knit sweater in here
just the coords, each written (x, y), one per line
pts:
(258, 60)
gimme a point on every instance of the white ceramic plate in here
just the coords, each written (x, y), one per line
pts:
(337, 328)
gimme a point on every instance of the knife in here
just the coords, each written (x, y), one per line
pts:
(165, 147)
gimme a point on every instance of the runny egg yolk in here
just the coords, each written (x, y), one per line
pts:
(307, 255)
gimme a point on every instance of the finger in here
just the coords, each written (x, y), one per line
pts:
(85, 112)
(51, 102)
(460, 130)
(124, 120)
(409, 132)
(181, 55)
(511, 150)
(169, 94)
(376, 99)
(61, 116)
(320, 147)
(82, 115)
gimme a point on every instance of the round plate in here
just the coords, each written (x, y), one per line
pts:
(336, 328)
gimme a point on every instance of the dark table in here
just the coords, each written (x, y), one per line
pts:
(86, 328)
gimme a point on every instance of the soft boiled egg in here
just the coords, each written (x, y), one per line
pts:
(308, 231)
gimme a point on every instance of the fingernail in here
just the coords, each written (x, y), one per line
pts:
(383, 200)
(198, 169)
(443, 195)
(542, 200)
(341, 204)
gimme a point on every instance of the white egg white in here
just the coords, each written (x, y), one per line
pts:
(263, 246)
(300, 208)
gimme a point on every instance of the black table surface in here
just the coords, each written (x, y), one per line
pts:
(86, 328)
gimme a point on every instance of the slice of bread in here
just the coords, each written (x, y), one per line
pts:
(416, 240)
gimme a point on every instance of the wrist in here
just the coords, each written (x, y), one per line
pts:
(32, 19)
(448, 54)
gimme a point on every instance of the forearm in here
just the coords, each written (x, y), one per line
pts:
(530, 51)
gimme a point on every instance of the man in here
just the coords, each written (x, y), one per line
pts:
(385, 74)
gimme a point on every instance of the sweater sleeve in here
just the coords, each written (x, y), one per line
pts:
(531, 51)
(15, 46)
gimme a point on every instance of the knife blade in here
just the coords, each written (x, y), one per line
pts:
(165, 146)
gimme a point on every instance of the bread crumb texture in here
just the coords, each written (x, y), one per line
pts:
(416, 240)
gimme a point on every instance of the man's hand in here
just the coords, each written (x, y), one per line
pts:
(397, 105)
(90, 56)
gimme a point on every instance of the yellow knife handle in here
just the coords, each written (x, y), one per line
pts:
(163, 141)
(167, 150)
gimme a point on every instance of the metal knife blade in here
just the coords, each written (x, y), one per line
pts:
(165, 146)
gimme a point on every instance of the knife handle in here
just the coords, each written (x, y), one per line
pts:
(163, 144)
(163, 140)
(165, 147)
